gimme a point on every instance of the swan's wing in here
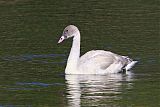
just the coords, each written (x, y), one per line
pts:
(91, 54)
(104, 61)
(100, 58)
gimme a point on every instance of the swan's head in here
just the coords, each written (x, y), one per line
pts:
(68, 32)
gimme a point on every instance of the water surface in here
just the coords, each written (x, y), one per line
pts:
(32, 64)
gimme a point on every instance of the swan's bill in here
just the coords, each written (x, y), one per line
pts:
(61, 39)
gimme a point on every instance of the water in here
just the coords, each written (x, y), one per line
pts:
(32, 64)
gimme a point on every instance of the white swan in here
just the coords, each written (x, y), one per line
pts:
(95, 61)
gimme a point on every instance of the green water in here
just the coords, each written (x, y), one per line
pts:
(32, 64)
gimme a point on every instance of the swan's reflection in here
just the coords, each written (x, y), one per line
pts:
(93, 89)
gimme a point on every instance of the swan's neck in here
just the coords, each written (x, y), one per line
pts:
(74, 55)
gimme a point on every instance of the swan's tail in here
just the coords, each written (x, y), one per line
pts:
(130, 63)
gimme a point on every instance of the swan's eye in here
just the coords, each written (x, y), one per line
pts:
(66, 30)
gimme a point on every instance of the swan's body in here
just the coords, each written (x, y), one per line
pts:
(95, 61)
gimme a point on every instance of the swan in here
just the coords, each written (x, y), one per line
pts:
(95, 61)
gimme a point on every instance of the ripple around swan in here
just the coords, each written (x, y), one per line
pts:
(39, 58)
(38, 84)
(32, 85)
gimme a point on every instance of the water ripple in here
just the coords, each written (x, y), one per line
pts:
(38, 84)
(40, 58)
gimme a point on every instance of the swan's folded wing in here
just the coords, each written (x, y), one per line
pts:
(100, 58)
(104, 61)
